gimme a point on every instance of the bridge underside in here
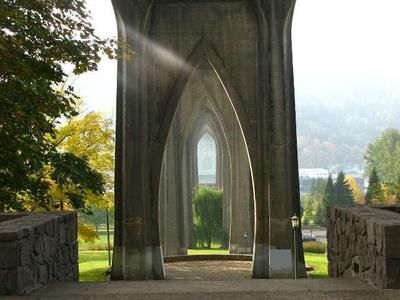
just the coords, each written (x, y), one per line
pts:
(245, 46)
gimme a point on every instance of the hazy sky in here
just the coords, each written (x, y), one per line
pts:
(340, 47)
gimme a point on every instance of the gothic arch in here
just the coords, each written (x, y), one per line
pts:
(203, 50)
(206, 113)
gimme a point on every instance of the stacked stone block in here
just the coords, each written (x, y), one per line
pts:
(364, 243)
(36, 249)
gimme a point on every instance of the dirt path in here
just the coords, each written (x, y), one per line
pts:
(209, 270)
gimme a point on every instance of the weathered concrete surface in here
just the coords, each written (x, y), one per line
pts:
(36, 249)
(302, 289)
(248, 45)
(364, 243)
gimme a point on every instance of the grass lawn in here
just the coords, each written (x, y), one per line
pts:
(320, 264)
(208, 251)
(93, 264)
(100, 244)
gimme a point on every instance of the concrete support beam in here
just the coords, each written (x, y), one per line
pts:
(137, 248)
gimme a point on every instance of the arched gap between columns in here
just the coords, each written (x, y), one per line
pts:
(204, 51)
(208, 136)
(209, 115)
(215, 119)
(242, 120)
(205, 114)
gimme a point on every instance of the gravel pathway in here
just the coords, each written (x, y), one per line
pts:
(209, 270)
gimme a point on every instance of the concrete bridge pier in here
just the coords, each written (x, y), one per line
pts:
(248, 46)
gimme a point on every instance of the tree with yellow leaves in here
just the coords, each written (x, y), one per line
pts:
(91, 137)
(356, 190)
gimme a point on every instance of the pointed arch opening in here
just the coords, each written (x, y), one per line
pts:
(206, 146)
(207, 159)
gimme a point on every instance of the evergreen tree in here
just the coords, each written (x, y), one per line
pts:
(375, 193)
(318, 187)
(317, 193)
(327, 200)
(343, 194)
(308, 213)
(319, 214)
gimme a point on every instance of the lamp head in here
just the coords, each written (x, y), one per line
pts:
(295, 221)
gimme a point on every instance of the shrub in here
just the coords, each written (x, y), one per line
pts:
(314, 247)
(207, 213)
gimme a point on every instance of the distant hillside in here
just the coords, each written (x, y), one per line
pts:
(333, 133)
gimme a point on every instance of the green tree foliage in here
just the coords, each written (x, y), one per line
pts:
(384, 155)
(383, 166)
(37, 38)
(318, 187)
(91, 137)
(310, 206)
(207, 212)
(343, 193)
(327, 200)
(98, 217)
(336, 194)
(375, 194)
(313, 202)
(74, 180)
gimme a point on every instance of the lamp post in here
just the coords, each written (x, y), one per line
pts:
(245, 241)
(108, 237)
(295, 224)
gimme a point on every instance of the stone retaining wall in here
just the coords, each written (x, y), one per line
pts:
(394, 208)
(364, 243)
(36, 249)
(10, 216)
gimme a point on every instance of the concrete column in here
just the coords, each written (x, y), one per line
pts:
(240, 212)
(137, 248)
(226, 187)
(172, 223)
(283, 195)
(292, 156)
(220, 162)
